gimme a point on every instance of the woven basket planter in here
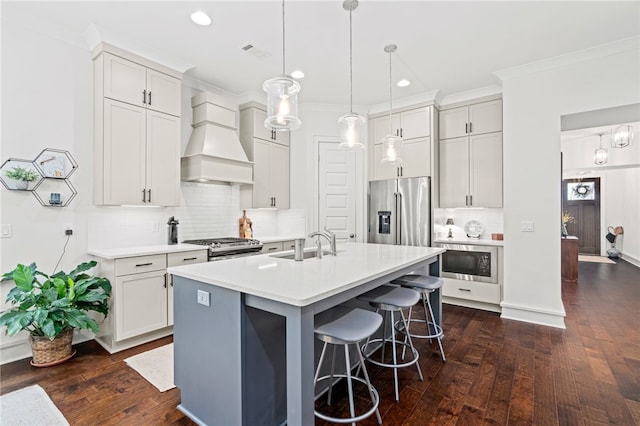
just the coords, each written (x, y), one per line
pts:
(50, 352)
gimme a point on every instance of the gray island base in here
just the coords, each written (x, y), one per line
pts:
(245, 354)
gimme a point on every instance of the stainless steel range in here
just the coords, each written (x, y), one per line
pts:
(228, 248)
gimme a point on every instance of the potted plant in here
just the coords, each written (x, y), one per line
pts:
(50, 307)
(22, 176)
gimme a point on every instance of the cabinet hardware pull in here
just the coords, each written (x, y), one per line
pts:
(144, 196)
(274, 201)
(400, 131)
(464, 289)
(470, 124)
(149, 196)
(165, 280)
(272, 248)
(144, 264)
(144, 96)
(466, 200)
(471, 200)
(466, 127)
(170, 279)
(149, 97)
(186, 259)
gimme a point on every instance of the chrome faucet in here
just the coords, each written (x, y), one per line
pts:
(330, 236)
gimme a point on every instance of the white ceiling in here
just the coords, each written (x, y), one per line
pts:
(449, 46)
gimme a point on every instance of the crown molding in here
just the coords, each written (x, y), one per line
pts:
(480, 94)
(426, 98)
(603, 50)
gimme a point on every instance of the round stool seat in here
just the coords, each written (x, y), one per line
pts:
(391, 298)
(424, 282)
(342, 325)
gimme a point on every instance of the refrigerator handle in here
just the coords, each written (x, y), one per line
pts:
(398, 218)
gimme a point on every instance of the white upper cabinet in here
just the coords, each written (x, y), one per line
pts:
(136, 84)
(252, 120)
(483, 117)
(136, 131)
(411, 124)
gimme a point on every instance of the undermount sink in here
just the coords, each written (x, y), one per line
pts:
(307, 254)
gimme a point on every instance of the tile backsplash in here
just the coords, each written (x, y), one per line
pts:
(492, 221)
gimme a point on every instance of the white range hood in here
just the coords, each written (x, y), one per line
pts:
(214, 153)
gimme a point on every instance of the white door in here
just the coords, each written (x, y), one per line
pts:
(337, 191)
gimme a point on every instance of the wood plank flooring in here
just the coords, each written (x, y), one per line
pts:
(498, 372)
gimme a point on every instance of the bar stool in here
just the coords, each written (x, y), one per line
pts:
(347, 326)
(425, 285)
(389, 298)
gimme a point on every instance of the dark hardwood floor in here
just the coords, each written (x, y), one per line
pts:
(498, 372)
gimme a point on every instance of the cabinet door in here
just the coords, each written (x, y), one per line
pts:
(486, 117)
(141, 304)
(282, 137)
(124, 153)
(271, 247)
(124, 80)
(279, 175)
(163, 159)
(382, 171)
(259, 130)
(163, 93)
(454, 172)
(485, 170)
(380, 127)
(415, 123)
(453, 122)
(416, 158)
(261, 168)
(177, 259)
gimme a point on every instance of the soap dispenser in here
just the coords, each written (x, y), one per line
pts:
(173, 230)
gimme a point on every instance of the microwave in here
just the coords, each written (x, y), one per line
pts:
(470, 262)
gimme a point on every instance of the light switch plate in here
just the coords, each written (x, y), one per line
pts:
(5, 231)
(203, 298)
(526, 226)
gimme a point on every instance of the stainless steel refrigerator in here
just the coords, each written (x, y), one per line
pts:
(400, 211)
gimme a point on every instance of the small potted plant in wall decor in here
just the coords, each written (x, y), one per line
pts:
(50, 307)
(22, 176)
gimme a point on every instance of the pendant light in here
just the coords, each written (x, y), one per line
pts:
(601, 156)
(351, 125)
(621, 137)
(391, 144)
(282, 97)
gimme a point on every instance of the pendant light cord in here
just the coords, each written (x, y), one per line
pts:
(350, 65)
(390, 96)
(283, 50)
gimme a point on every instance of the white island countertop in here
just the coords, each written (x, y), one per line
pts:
(306, 282)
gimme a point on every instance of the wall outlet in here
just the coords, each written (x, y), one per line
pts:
(203, 298)
(68, 229)
(526, 226)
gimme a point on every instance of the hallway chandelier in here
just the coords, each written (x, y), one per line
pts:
(351, 125)
(601, 155)
(391, 144)
(621, 137)
(282, 97)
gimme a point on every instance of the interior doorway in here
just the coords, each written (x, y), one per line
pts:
(581, 199)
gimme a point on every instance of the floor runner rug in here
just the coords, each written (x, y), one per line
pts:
(156, 366)
(597, 259)
(30, 406)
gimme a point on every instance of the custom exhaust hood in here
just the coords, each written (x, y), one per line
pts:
(214, 153)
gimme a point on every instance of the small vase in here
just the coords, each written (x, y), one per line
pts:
(22, 184)
(564, 230)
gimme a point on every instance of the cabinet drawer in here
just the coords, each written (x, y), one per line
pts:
(186, 257)
(271, 247)
(139, 264)
(471, 290)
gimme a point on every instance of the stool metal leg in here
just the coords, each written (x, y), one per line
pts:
(369, 387)
(395, 361)
(352, 409)
(413, 349)
(333, 365)
(315, 378)
(438, 333)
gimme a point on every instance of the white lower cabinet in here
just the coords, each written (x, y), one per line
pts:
(141, 307)
(278, 246)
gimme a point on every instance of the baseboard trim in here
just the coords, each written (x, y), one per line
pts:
(632, 260)
(532, 315)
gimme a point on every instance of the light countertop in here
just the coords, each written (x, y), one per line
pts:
(306, 282)
(473, 241)
(117, 253)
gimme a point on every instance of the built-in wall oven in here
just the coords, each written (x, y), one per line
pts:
(470, 262)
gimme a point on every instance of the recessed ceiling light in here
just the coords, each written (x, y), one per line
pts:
(403, 83)
(297, 74)
(200, 18)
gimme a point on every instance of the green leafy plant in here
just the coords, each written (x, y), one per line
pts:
(20, 173)
(47, 305)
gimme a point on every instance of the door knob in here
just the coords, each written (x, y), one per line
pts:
(352, 235)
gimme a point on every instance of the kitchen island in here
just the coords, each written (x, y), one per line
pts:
(243, 332)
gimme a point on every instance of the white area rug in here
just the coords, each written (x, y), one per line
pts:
(596, 259)
(30, 406)
(156, 366)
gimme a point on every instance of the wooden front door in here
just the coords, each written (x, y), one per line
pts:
(581, 198)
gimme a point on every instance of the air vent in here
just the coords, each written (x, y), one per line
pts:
(255, 51)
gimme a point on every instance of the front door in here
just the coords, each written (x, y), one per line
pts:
(581, 199)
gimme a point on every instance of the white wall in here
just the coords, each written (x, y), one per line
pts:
(533, 102)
